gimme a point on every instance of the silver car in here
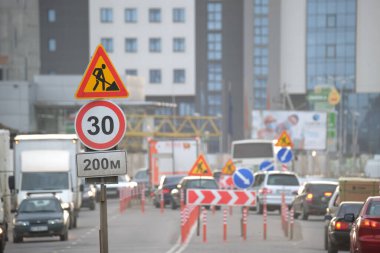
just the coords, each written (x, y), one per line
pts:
(274, 183)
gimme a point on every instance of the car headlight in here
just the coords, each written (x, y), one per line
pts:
(55, 221)
(21, 223)
(65, 206)
(90, 193)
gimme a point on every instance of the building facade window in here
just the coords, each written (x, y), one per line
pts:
(179, 76)
(155, 15)
(260, 55)
(130, 15)
(179, 45)
(214, 85)
(214, 16)
(51, 15)
(131, 72)
(178, 15)
(186, 108)
(330, 42)
(155, 76)
(106, 15)
(214, 46)
(131, 45)
(154, 45)
(52, 45)
(107, 44)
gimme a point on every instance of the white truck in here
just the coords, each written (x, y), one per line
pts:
(46, 164)
(171, 157)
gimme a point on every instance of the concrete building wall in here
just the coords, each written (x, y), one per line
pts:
(143, 60)
(368, 49)
(293, 42)
(16, 105)
(19, 40)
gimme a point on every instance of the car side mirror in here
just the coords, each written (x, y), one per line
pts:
(328, 217)
(349, 217)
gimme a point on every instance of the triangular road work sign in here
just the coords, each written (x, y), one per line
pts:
(229, 168)
(200, 168)
(101, 80)
(284, 140)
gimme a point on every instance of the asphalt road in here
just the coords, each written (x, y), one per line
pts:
(153, 231)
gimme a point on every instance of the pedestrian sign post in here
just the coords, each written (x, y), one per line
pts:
(229, 168)
(200, 168)
(284, 140)
(101, 79)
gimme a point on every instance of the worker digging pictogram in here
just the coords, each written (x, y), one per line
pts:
(99, 75)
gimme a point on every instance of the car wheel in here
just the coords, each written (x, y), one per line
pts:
(17, 239)
(156, 203)
(330, 247)
(259, 208)
(305, 215)
(75, 222)
(296, 215)
(92, 205)
(65, 236)
(174, 205)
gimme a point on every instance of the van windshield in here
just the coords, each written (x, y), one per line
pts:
(289, 180)
(44, 181)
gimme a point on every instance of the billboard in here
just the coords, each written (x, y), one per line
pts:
(306, 129)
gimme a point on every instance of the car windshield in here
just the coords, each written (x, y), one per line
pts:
(172, 180)
(349, 208)
(374, 208)
(39, 205)
(288, 180)
(141, 175)
(322, 188)
(202, 184)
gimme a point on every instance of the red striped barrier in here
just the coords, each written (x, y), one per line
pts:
(265, 216)
(189, 216)
(291, 223)
(162, 201)
(244, 223)
(224, 224)
(204, 223)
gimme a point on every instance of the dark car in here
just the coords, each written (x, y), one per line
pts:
(167, 184)
(191, 182)
(40, 217)
(313, 198)
(365, 231)
(89, 196)
(338, 230)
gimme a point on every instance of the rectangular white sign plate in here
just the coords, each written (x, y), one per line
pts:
(102, 163)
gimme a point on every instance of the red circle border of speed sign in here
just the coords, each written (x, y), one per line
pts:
(100, 146)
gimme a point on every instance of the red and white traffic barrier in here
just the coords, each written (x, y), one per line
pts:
(189, 216)
(162, 201)
(291, 223)
(244, 223)
(221, 197)
(284, 167)
(224, 224)
(182, 199)
(143, 199)
(204, 223)
(265, 216)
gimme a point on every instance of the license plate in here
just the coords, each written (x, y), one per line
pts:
(38, 228)
(283, 191)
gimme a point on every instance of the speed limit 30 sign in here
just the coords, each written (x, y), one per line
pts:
(100, 124)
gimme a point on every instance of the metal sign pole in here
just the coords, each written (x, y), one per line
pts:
(103, 219)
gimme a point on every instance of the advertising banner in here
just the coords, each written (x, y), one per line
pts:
(307, 130)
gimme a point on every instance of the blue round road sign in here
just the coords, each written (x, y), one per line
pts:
(285, 155)
(266, 166)
(243, 178)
